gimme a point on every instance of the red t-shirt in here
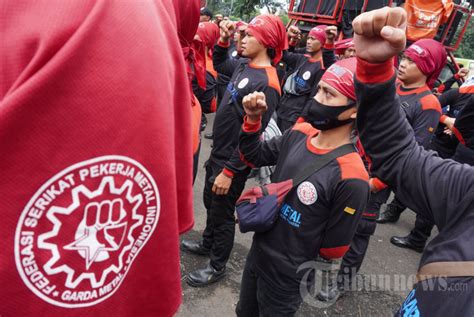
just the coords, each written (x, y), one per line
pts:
(95, 136)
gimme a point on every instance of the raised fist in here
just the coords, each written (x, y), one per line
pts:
(254, 105)
(380, 34)
(226, 28)
(101, 231)
(463, 72)
(294, 32)
(331, 33)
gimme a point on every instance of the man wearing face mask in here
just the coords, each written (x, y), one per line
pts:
(320, 216)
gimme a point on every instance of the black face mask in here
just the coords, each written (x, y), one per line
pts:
(324, 117)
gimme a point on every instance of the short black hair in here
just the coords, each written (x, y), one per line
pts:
(206, 11)
(271, 53)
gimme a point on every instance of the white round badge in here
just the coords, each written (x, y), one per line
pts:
(307, 193)
(234, 53)
(81, 231)
(243, 83)
(306, 75)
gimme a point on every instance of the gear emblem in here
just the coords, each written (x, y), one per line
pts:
(79, 234)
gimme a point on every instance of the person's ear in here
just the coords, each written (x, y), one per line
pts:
(354, 114)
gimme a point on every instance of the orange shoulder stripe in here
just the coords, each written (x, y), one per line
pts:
(352, 167)
(273, 79)
(305, 127)
(467, 89)
(430, 102)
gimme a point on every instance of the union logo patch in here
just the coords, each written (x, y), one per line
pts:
(307, 193)
(81, 231)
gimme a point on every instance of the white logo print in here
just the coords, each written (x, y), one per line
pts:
(306, 75)
(243, 83)
(257, 22)
(418, 49)
(79, 234)
(307, 193)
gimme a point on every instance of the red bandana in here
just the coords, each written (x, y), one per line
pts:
(430, 58)
(341, 77)
(270, 31)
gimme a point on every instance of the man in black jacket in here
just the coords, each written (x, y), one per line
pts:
(440, 190)
(226, 174)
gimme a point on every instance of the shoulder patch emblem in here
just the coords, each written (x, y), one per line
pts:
(243, 83)
(306, 75)
(307, 193)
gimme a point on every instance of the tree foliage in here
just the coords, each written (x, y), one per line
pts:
(244, 9)
(466, 48)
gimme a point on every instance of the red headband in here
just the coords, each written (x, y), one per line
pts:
(208, 32)
(342, 45)
(270, 32)
(319, 33)
(239, 24)
(430, 58)
(187, 20)
(341, 77)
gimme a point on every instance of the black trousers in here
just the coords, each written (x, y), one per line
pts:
(258, 298)
(352, 260)
(221, 88)
(422, 230)
(218, 236)
(196, 159)
(451, 296)
(444, 145)
(464, 155)
(376, 200)
(398, 204)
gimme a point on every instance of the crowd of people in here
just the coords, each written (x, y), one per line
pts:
(82, 96)
(314, 104)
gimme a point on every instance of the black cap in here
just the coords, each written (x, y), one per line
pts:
(206, 11)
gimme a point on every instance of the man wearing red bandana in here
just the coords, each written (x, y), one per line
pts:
(226, 173)
(204, 85)
(420, 66)
(345, 48)
(95, 188)
(305, 71)
(319, 217)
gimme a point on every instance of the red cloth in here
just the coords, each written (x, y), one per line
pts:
(429, 56)
(208, 33)
(187, 18)
(319, 33)
(95, 132)
(341, 77)
(239, 24)
(270, 32)
(342, 45)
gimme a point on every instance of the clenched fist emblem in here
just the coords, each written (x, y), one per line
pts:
(101, 231)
